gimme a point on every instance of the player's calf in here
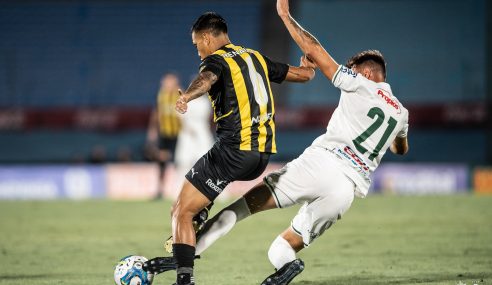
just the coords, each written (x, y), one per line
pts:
(198, 222)
(284, 275)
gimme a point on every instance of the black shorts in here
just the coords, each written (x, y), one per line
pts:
(223, 164)
(168, 144)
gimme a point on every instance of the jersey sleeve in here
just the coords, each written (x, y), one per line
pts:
(212, 63)
(403, 133)
(346, 79)
(276, 71)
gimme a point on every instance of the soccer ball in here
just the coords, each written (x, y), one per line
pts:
(129, 271)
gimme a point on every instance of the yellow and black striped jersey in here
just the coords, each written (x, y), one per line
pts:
(169, 122)
(242, 98)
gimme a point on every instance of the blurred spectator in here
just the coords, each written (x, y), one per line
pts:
(98, 154)
(124, 154)
(78, 158)
(164, 127)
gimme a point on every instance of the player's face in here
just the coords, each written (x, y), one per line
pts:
(201, 44)
(170, 82)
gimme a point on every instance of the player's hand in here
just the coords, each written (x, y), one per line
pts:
(283, 8)
(307, 62)
(181, 103)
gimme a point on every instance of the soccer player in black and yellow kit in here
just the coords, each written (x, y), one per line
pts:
(237, 81)
(164, 127)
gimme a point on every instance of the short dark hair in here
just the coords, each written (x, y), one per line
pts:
(373, 58)
(210, 21)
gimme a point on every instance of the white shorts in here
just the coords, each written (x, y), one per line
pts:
(315, 180)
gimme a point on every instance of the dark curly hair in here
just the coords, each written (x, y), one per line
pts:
(371, 58)
(210, 21)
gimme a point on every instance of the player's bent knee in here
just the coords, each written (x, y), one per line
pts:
(180, 212)
(173, 208)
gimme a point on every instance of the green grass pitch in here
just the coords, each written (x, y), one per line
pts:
(381, 240)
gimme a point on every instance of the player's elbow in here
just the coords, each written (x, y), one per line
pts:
(402, 151)
(399, 146)
(399, 149)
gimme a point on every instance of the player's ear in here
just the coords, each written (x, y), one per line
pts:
(206, 38)
(367, 72)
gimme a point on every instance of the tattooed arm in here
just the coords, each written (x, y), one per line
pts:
(199, 86)
(307, 42)
(302, 73)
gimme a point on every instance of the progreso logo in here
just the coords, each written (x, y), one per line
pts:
(385, 96)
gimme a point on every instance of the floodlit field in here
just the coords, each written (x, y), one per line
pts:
(381, 240)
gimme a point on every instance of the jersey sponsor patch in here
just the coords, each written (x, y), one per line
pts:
(348, 71)
(261, 118)
(385, 95)
(356, 161)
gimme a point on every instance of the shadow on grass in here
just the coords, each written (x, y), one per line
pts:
(478, 278)
(26, 276)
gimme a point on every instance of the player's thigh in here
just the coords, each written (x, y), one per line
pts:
(298, 181)
(167, 147)
(335, 198)
(259, 199)
(220, 166)
(243, 165)
(190, 201)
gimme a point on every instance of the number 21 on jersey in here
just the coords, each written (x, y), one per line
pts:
(378, 114)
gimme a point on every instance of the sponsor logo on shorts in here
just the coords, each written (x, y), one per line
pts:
(193, 172)
(354, 159)
(215, 186)
(313, 235)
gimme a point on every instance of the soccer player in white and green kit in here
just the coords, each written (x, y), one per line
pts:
(337, 166)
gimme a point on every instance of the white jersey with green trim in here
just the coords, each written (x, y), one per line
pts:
(364, 124)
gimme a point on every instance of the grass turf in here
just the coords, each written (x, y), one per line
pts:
(381, 240)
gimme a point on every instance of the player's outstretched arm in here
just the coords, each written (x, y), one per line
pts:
(307, 42)
(399, 146)
(199, 86)
(302, 73)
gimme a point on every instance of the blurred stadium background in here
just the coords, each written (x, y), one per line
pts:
(82, 76)
(79, 78)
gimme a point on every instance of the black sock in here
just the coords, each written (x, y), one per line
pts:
(184, 276)
(185, 256)
(162, 167)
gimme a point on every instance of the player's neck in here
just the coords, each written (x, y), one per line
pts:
(221, 41)
(376, 77)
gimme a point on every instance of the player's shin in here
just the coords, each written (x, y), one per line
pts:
(221, 224)
(281, 253)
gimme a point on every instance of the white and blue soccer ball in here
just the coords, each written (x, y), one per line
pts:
(129, 271)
